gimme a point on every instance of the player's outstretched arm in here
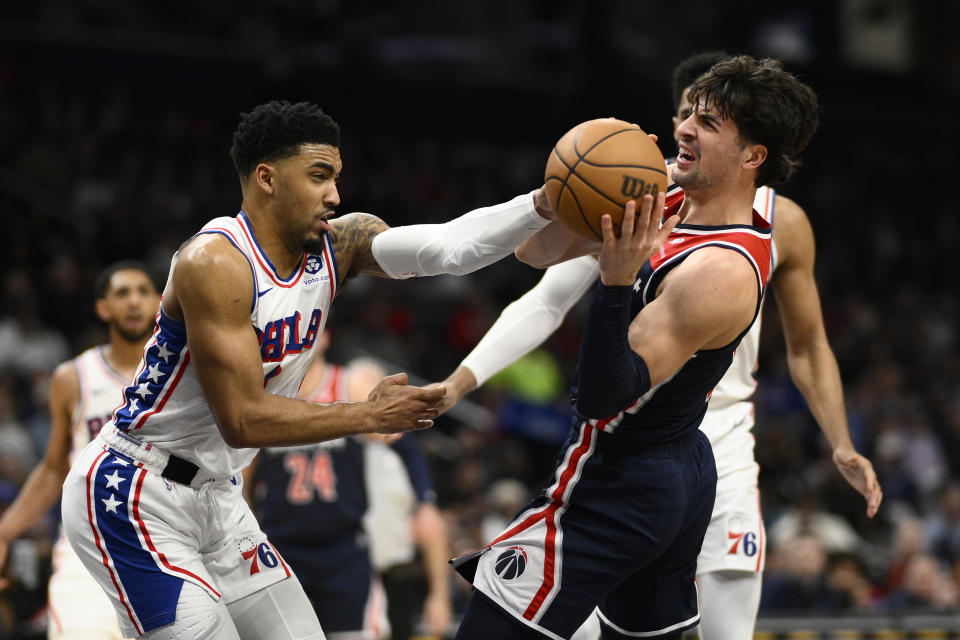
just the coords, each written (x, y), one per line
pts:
(45, 481)
(812, 363)
(363, 243)
(523, 325)
(211, 291)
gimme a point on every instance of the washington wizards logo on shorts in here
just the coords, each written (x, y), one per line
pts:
(511, 563)
(313, 264)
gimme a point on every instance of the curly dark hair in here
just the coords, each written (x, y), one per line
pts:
(769, 106)
(689, 69)
(276, 130)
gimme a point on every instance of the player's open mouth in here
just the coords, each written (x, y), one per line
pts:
(685, 155)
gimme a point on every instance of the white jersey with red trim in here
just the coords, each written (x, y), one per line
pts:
(165, 405)
(75, 602)
(729, 418)
(738, 383)
(101, 388)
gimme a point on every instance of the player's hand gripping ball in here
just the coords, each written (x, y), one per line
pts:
(596, 167)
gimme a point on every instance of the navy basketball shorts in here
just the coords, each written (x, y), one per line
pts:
(619, 528)
(338, 577)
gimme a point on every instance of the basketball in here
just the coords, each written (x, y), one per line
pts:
(596, 168)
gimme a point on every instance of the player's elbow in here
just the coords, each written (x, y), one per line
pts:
(528, 255)
(236, 432)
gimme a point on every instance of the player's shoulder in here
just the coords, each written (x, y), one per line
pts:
(65, 378)
(354, 229)
(209, 253)
(788, 210)
(792, 230)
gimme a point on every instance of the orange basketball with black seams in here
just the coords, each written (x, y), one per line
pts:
(596, 168)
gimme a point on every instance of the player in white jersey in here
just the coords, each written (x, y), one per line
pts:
(153, 506)
(83, 393)
(730, 565)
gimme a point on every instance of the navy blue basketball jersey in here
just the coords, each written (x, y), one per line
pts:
(674, 408)
(313, 493)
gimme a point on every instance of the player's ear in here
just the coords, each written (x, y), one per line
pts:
(264, 177)
(755, 155)
(100, 307)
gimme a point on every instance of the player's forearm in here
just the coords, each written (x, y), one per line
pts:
(460, 246)
(814, 370)
(38, 494)
(273, 421)
(610, 375)
(527, 322)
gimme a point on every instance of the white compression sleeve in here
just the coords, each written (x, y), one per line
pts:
(464, 244)
(529, 320)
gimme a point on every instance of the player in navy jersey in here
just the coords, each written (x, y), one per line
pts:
(311, 501)
(731, 562)
(83, 393)
(153, 506)
(622, 523)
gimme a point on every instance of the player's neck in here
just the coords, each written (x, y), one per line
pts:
(284, 256)
(122, 355)
(718, 206)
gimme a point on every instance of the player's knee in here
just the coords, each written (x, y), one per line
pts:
(281, 611)
(198, 616)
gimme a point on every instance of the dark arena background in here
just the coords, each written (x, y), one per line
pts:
(115, 125)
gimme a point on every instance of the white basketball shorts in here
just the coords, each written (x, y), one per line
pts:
(142, 536)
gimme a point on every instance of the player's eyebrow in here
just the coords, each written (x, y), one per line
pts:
(322, 165)
(708, 118)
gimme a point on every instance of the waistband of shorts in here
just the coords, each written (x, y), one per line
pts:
(154, 459)
(620, 442)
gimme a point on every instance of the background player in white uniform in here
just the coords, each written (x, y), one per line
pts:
(731, 562)
(153, 506)
(83, 393)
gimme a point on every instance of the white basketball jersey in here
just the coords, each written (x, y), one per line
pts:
(101, 389)
(165, 405)
(729, 416)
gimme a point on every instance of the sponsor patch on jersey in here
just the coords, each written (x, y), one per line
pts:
(313, 264)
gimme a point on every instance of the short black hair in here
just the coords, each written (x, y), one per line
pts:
(769, 106)
(102, 284)
(689, 69)
(276, 130)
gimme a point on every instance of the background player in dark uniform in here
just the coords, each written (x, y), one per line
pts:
(311, 501)
(623, 521)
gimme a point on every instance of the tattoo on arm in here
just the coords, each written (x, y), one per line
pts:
(352, 239)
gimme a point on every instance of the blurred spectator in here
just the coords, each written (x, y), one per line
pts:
(927, 586)
(807, 517)
(943, 526)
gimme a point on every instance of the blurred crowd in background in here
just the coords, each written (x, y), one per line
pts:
(113, 144)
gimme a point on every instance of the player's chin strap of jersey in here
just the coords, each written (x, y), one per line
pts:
(460, 246)
(610, 375)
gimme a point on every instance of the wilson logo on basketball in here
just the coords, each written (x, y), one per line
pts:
(633, 187)
(511, 563)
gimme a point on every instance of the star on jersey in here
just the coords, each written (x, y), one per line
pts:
(638, 284)
(133, 405)
(111, 503)
(154, 372)
(143, 391)
(164, 353)
(114, 480)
